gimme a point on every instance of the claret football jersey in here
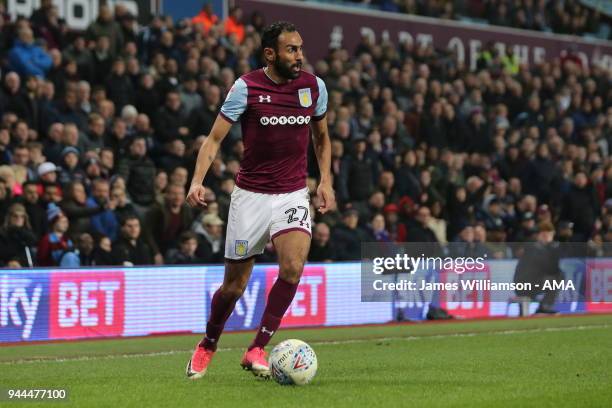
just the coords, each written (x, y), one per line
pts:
(275, 122)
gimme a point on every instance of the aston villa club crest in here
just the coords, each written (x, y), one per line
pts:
(241, 247)
(305, 97)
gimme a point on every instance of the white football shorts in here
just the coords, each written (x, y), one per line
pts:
(256, 218)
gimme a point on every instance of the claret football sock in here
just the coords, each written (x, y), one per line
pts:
(280, 298)
(221, 308)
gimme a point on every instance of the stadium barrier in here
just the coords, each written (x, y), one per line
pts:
(341, 26)
(49, 304)
(337, 26)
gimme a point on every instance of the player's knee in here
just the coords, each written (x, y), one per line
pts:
(233, 290)
(291, 270)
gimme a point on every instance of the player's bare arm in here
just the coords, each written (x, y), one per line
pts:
(322, 147)
(206, 155)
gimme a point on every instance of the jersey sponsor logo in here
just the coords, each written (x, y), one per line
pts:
(265, 98)
(284, 120)
(87, 304)
(305, 97)
(241, 247)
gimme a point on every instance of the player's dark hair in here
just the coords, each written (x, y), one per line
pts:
(269, 38)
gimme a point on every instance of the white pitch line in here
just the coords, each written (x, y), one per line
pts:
(318, 343)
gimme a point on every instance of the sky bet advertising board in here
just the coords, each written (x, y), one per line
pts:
(48, 304)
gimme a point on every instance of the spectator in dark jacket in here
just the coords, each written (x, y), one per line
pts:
(202, 119)
(50, 28)
(539, 263)
(387, 185)
(477, 133)
(419, 231)
(37, 215)
(102, 59)
(74, 206)
(512, 165)
(106, 26)
(322, 248)
(70, 169)
(119, 86)
(433, 128)
(117, 139)
(580, 206)
(147, 97)
(69, 111)
(92, 253)
(17, 237)
(139, 173)
(171, 120)
(165, 222)
(348, 236)
(407, 177)
(547, 177)
(96, 132)
(185, 254)
(169, 81)
(123, 206)
(38, 16)
(357, 174)
(15, 99)
(131, 249)
(81, 55)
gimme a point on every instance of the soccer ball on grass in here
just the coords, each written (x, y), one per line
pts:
(293, 362)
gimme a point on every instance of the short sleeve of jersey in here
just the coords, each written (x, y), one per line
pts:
(321, 107)
(236, 101)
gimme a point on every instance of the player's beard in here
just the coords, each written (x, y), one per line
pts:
(286, 70)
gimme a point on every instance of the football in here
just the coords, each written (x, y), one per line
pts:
(293, 362)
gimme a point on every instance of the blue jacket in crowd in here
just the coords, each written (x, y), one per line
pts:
(29, 59)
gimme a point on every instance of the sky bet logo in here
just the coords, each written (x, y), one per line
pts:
(87, 304)
(23, 307)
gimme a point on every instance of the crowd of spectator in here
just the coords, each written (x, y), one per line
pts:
(100, 130)
(559, 16)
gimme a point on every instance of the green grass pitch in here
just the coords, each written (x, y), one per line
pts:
(539, 362)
